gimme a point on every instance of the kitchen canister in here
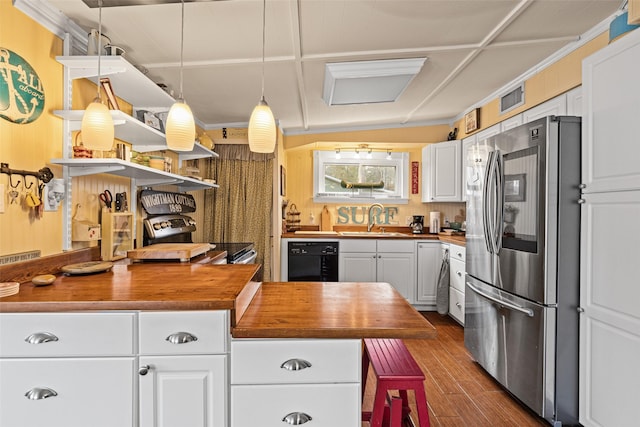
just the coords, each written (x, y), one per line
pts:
(434, 222)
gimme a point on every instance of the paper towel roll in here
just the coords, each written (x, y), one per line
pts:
(434, 222)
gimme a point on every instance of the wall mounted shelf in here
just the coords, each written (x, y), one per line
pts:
(143, 138)
(144, 176)
(127, 81)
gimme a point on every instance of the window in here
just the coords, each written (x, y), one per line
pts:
(354, 178)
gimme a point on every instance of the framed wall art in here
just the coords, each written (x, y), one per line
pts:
(283, 181)
(108, 90)
(472, 120)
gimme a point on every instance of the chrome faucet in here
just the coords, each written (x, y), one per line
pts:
(371, 221)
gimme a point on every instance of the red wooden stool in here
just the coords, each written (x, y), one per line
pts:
(395, 369)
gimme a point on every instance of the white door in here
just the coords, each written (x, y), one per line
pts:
(179, 391)
(511, 122)
(357, 267)
(429, 262)
(443, 172)
(398, 269)
(610, 298)
(611, 94)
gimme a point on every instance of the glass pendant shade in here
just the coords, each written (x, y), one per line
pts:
(262, 129)
(181, 128)
(97, 127)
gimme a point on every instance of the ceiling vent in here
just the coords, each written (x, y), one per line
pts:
(366, 82)
(513, 99)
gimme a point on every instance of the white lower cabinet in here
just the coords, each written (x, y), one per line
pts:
(322, 405)
(67, 370)
(457, 255)
(429, 261)
(294, 381)
(183, 390)
(183, 368)
(67, 392)
(383, 260)
(93, 369)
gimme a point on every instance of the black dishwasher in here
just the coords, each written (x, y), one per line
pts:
(313, 262)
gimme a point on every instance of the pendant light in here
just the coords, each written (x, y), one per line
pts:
(262, 125)
(97, 124)
(181, 126)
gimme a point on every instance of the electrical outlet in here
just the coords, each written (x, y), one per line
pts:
(408, 220)
(1, 198)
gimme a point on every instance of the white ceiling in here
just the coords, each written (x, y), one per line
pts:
(474, 47)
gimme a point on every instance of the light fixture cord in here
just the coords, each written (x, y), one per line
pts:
(99, 44)
(264, 20)
(181, 51)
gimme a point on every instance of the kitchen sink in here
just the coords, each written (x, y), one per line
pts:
(373, 234)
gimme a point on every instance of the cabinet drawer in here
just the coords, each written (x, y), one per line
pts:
(328, 405)
(357, 245)
(96, 392)
(66, 334)
(396, 245)
(457, 252)
(456, 274)
(456, 305)
(284, 361)
(191, 332)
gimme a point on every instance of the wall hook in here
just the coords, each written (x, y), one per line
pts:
(11, 182)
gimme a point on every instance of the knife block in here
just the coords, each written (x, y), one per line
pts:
(117, 235)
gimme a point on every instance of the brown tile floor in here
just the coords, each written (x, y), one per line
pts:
(459, 392)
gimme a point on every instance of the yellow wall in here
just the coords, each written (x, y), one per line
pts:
(30, 146)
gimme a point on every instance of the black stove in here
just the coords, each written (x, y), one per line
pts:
(237, 253)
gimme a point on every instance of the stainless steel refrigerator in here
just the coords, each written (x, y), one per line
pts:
(522, 283)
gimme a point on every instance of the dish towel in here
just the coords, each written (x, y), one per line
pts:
(442, 289)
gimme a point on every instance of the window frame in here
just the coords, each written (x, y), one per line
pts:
(398, 159)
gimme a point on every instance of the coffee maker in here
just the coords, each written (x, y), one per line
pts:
(417, 225)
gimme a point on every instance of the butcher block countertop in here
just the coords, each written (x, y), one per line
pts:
(141, 286)
(331, 310)
(258, 310)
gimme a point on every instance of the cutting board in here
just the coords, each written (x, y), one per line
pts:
(326, 221)
(177, 251)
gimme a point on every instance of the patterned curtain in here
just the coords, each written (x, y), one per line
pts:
(240, 209)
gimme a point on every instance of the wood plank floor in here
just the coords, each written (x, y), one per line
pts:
(459, 392)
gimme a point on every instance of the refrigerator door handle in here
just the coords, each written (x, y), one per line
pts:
(486, 209)
(499, 174)
(503, 303)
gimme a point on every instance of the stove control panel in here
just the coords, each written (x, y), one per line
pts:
(161, 226)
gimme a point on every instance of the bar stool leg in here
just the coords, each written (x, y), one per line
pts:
(421, 404)
(377, 414)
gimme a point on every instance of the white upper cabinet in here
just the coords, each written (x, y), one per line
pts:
(611, 107)
(554, 107)
(511, 122)
(442, 172)
(574, 102)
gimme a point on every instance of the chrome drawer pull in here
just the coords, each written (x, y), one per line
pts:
(41, 337)
(459, 274)
(38, 393)
(459, 305)
(181, 338)
(296, 418)
(295, 364)
(144, 369)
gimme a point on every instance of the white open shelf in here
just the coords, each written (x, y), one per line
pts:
(143, 138)
(144, 176)
(127, 81)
